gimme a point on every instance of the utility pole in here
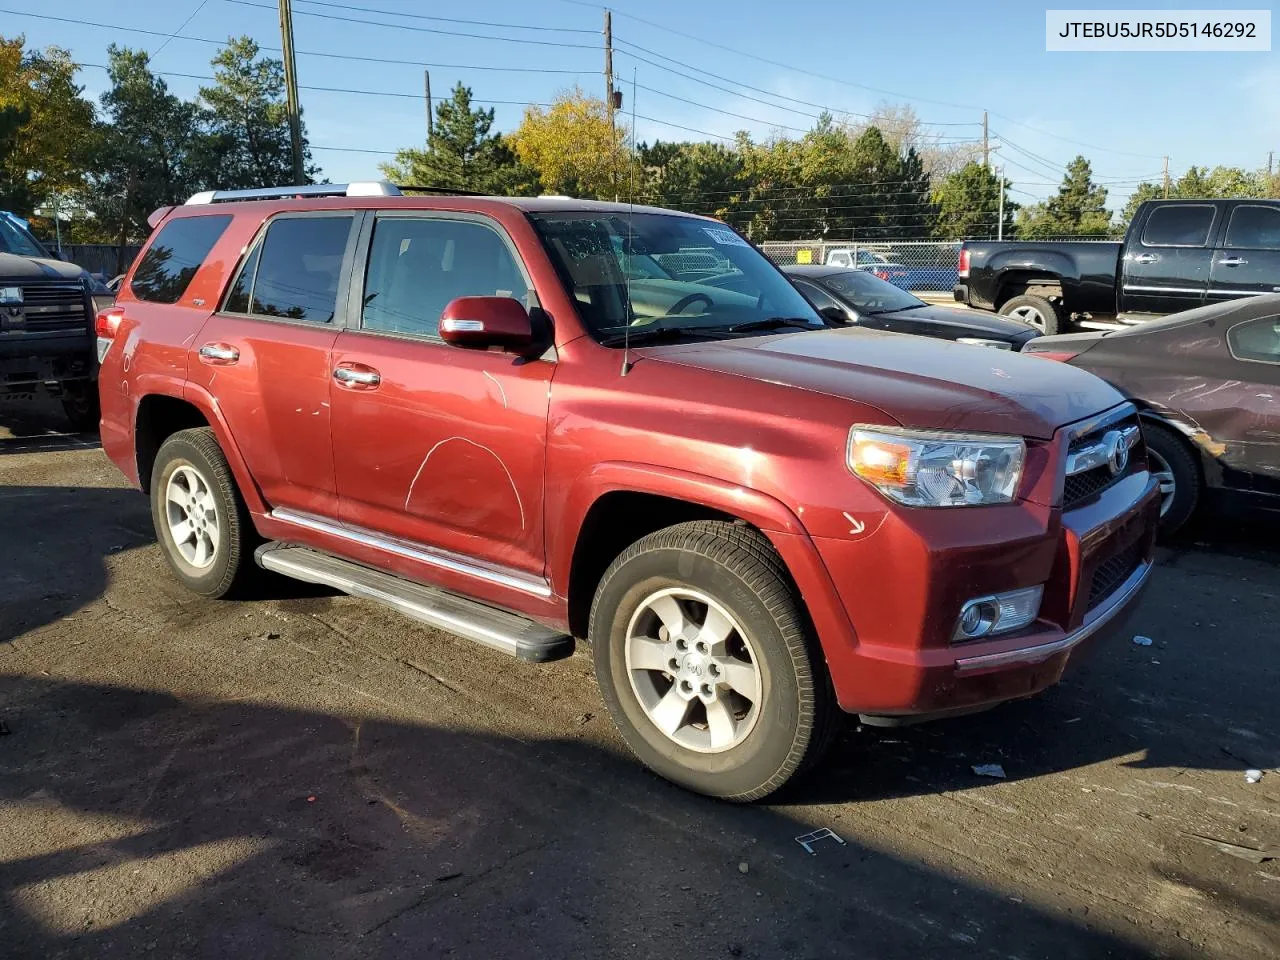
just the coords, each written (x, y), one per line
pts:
(431, 123)
(986, 147)
(1166, 178)
(1271, 156)
(1000, 215)
(291, 89)
(608, 95)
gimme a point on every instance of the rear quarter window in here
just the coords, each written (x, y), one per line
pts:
(174, 256)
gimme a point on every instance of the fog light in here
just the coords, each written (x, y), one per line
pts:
(998, 613)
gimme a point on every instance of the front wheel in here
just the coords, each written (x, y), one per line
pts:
(706, 662)
(80, 404)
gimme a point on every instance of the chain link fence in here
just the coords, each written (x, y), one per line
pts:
(923, 265)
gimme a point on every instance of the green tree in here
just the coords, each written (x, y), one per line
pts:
(1203, 183)
(46, 126)
(245, 140)
(967, 204)
(1078, 209)
(146, 150)
(463, 154)
(702, 178)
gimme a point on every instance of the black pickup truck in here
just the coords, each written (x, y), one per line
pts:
(1177, 254)
(47, 310)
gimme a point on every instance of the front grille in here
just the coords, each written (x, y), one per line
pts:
(1080, 487)
(1110, 574)
(54, 306)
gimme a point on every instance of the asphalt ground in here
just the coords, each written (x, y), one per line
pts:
(308, 775)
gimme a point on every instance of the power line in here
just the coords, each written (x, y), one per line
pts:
(180, 29)
(423, 16)
(747, 86)
(417, 29)
(306, 53)
(372, 93)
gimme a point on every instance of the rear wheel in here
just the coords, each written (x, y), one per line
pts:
(706, 664)
(1034, 311)
(1173, 464)
(201, 521)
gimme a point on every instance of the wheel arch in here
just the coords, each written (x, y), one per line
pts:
(160, 414)
(617, 503)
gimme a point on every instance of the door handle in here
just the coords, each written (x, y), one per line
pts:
(1147, 258)
(357, 377)
(219, 354)
(1233, 262)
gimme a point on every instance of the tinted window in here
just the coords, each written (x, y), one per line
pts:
(1256, 340)
(869, 293)
(14, 239)
(238, 298)
(174, 257)
(1181, 225)
(816, 295)
(417, 266)
(1254, 227)
(298, 268)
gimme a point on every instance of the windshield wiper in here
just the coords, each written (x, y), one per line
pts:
(773, 323)
(652, 334)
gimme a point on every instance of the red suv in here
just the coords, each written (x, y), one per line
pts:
(530, 420)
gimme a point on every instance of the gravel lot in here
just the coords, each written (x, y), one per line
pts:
(309, 775)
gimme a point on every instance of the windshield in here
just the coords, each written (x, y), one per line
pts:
(868, 293)
(13, 239)
(667, 272)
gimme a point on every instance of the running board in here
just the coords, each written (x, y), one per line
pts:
(509, 633)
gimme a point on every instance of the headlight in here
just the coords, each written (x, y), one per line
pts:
(923, 468)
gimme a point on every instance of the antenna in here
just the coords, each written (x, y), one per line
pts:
(631, 211)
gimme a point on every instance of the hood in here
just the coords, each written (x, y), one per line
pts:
(970, 323)
(14, 267)
(922, 383)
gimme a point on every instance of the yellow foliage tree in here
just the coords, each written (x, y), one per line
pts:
(574, 147)
(46, 126)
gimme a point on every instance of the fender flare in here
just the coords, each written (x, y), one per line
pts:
(207, 404)
(768, 514)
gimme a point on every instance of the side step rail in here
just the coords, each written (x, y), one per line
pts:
(507, 632)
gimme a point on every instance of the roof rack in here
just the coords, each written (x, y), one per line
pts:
(358, 188)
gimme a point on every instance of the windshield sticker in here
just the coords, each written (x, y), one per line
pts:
(726, 238)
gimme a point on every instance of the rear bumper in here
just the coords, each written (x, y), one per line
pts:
(960, 293)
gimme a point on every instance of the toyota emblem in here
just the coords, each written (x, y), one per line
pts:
(1117, 452)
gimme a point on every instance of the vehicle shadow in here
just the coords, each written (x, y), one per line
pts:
(38, 425)
(143, 823)
(56, 544)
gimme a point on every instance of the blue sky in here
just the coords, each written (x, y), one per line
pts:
(948, 60)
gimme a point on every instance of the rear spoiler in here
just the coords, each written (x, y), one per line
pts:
(157, 216)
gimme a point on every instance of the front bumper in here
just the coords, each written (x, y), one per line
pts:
(30, 362)
(900, 662)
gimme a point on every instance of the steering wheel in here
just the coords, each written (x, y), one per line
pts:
(685, 302)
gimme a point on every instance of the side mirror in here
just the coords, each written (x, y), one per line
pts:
(836, 315)
(483, 322)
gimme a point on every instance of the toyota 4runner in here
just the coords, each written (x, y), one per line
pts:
(514, 419)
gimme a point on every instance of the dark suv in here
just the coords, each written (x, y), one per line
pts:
(486, 413)
(46, 324)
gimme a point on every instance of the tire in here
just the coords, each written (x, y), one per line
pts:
(1173, 461)
(80, 404)
(787, 723)
(1036, 312)
(192, 461)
